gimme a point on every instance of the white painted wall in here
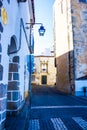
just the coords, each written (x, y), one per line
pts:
(79, 84)
(15, 12)
(22, 53)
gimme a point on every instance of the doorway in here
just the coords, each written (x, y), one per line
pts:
(44, 79)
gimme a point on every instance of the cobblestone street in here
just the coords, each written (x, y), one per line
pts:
(51, 110)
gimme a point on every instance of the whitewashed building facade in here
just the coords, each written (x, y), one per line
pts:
(14, 50)
(44, 71)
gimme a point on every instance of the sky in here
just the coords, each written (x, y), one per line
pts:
(43, 14)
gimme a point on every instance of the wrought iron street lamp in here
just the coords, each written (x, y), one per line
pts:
(41, 30)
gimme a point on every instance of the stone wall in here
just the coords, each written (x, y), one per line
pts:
(70, 40)
(3, 101)
(3, 73)
(63, 44)
(13, 95)
(79, 24)
(50, 70)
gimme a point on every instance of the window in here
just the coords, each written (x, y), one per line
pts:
(85, 1)
(44, 67)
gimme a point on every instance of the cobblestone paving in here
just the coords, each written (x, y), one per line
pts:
(53, 110)
(74, 123)
(50, 110)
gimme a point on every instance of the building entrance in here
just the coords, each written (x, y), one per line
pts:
(44, 79)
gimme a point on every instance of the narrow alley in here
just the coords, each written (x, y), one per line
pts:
(43, 64)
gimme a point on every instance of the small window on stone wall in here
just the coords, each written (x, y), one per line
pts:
(44, 67)
(85, 1)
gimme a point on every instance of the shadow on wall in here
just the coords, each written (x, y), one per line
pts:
(65, 73)
(65, 79)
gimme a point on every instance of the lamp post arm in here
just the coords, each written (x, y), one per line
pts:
(41, 30)
(34, 23)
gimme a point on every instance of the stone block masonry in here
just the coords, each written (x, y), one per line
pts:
(3, 87)
(13, 94)
(79, 26)
(3, 100)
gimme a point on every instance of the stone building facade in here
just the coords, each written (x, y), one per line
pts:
(70, 43)
(44, 71)
(14, 48)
